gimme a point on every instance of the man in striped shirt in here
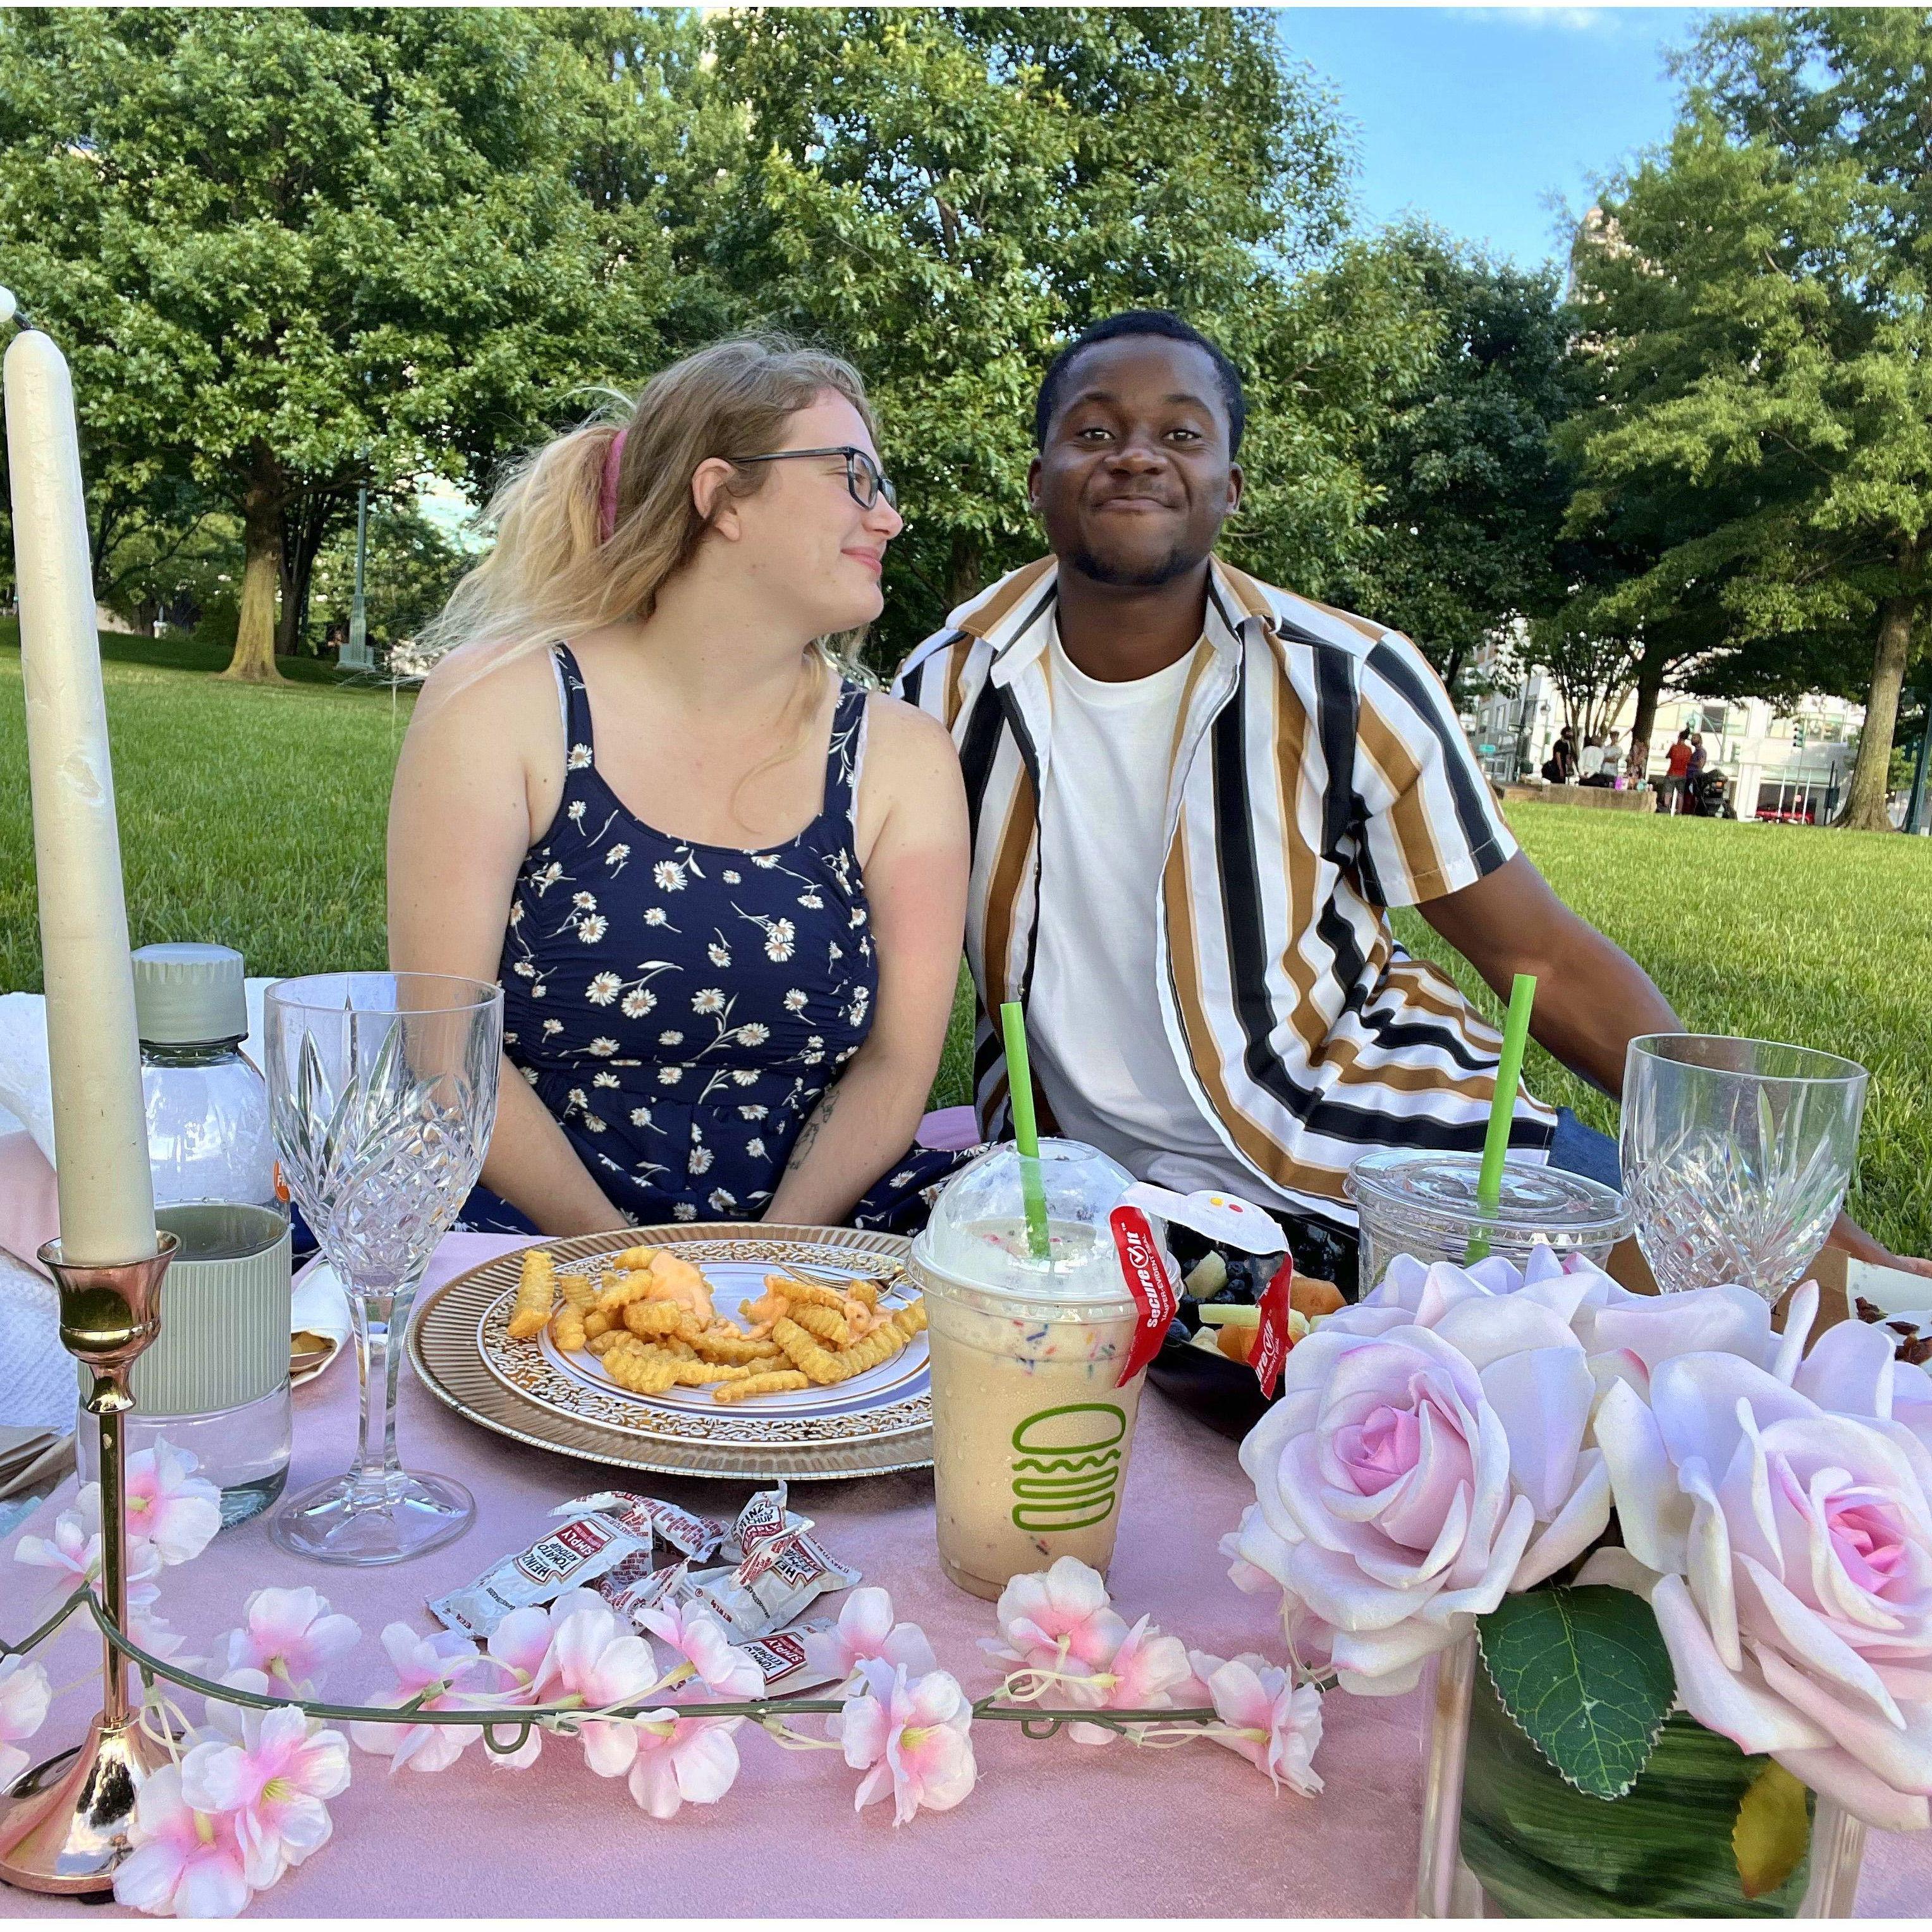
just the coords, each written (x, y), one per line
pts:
(1195, 797)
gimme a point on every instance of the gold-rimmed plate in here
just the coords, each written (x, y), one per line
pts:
(531, 1393)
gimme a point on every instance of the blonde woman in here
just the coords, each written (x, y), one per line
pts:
(722, 884)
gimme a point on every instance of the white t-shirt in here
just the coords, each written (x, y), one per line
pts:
(1099, 1052)
(1589, 761)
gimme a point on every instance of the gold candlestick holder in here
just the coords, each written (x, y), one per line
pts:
(69, 1834)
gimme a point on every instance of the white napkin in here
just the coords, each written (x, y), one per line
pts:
(320, 1304)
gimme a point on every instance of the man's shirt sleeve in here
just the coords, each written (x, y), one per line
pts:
(1429, 821)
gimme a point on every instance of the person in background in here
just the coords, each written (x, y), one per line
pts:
(1195, 798)
(1637, 761)
(1563, 755)
(1670, 787)
(722, 884)
(1693, 775)
(1589, 760)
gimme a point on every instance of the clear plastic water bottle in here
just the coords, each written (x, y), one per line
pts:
(216, 1380)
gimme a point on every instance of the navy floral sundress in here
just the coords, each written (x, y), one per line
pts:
(679, 1007)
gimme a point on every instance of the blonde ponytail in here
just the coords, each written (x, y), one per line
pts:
(553, 572)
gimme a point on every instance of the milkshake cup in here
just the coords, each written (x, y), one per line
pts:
(1030, 1432)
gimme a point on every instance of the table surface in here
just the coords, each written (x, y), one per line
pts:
(1053, 1828)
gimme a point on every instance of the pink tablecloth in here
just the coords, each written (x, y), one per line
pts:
(1053, 1830)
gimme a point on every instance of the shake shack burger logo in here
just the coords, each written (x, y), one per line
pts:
(1066, 1466)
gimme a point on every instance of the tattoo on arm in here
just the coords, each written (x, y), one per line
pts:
(814, 1126)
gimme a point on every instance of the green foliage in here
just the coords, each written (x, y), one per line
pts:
(1756, 301)
(946, 195)
(288, 250)
(411, 567)
(1586, 1674)
(1468, 494)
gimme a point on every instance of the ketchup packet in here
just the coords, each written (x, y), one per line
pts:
(762, 1520)
(772, 1585)
(785, 1657)
(698, 1537)
(575, 1554)
(634, 1586)
(1273, 1342)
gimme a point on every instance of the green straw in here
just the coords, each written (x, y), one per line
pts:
(1502, 1107)
(1026, 1128)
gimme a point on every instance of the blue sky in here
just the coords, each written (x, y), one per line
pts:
(1476, 116)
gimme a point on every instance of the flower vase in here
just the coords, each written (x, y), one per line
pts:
(1504, 1835)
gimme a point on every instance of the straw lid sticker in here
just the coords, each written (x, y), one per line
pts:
(1220, 1217)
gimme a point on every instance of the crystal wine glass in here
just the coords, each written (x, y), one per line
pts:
(383, 1092)
(1736, 1156)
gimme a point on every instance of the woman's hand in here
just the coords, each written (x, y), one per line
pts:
(479, 778)
(913, 849)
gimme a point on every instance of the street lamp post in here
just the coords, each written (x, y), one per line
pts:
(355, 653)
(1915, 809)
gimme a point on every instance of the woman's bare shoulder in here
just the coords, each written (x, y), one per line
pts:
(907, 738)
(503, 684)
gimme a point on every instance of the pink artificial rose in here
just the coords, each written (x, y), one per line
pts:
(436, 1665)
(1057, 1620)
(1269, 1719)
(24, 1695)
(865, 1630)
(1405, 1480)
(290, 1636)
(272, 1771)
(1791, 1552)
(185, 1863)
(682, 1761)
(912, 1738)
(1625, 1336)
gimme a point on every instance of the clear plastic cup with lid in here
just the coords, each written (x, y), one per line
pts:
(1426, 1204)
(1031, 1430)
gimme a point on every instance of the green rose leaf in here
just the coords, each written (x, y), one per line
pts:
(1584, 1674)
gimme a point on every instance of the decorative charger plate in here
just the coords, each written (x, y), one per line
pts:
(875, 1423)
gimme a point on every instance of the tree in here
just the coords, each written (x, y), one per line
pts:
(412, 566)
(1465, 531)
(947, 194)
(1757, 294)
(293, 251)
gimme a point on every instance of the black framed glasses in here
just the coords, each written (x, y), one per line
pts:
(865, 481)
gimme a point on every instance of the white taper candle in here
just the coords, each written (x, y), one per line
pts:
(93, 1056)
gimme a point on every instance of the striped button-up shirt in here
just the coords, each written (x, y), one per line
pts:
(1317, 777)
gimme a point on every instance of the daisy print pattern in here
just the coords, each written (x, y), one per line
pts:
(692, 1002)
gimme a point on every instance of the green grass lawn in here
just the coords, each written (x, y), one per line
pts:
(255, 817)
(251, 817)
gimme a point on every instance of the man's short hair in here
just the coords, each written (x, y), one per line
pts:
(1159, 322)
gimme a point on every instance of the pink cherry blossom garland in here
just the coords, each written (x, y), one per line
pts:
(245, 1797)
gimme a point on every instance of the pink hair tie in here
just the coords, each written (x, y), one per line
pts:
(606, 497)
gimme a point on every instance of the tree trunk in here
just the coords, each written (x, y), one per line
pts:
(306, 522)
(1649, 688)
(1865, 803)
(254, 659)
(965, 569)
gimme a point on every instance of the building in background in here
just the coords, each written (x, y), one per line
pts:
(1791, 764)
